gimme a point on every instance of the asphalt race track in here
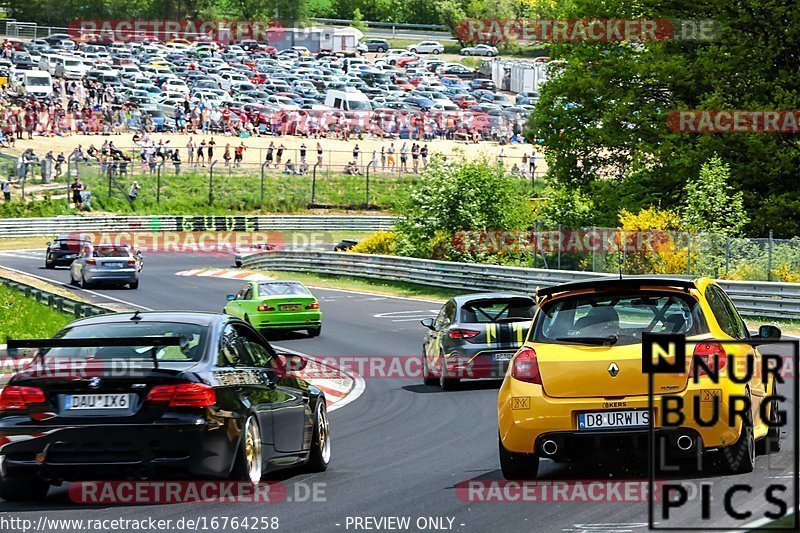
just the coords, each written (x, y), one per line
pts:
(401, 448)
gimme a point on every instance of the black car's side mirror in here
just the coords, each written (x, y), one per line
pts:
(428, 323)
(768, 332)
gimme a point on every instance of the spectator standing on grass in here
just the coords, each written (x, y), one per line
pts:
(524, 164)
(319, 154)
(404, 158)
(200, 155)
(356, 153)
(211, 145)
(47, 167)
(423, 153)
(532, 164)
(279, 155)
(302, 153)
(226, 156)
(176, 160)
(391, 157)
(239, 155)
(76, 188)
(190, 151)
(151, 162)
(415, 157)
(6, 188)
(59, 161)
(374, 162)
(270, 150)
(133, 192)
(383, 159)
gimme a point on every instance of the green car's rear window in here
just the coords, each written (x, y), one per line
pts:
(277, 289)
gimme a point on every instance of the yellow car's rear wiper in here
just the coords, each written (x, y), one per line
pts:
(611, 339)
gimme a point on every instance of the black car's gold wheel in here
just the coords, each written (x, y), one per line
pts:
(320, 455)
(249, 457)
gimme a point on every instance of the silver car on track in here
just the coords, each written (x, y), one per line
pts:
(112, 264)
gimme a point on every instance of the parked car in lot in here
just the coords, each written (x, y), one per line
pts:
(426, 47)
(375, 45)
(479, 50)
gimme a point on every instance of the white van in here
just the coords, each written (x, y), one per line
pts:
(37, 83)
(72, 68)
(350, 99)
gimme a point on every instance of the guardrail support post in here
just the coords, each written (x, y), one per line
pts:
(211, 182)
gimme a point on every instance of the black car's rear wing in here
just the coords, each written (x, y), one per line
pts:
(154, 341)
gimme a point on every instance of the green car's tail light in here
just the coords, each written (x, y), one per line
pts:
(14, 398)
(264, 307)
(313, 305)
(526, 367)
(183, 395)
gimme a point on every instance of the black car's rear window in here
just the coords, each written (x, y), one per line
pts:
(192, 350)
(498, 310)
(622, 317)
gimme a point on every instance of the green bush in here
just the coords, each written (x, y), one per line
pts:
(380, 243)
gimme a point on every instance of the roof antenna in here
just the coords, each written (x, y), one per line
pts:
(136, 316)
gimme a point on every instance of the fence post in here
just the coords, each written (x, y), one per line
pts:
(368, 186)
(314, 183)
(688, 253)
(158, 183)
(769, 257)
(559, 247)
(211, 182)
(264, 164)
(727, 253)
(535, 242)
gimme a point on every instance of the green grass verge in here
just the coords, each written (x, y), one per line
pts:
(385, 288)
(24, 318)
(232, 193)
(510, 49)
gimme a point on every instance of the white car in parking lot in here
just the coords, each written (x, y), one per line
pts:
(426, 47)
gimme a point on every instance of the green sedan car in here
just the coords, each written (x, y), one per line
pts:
(273, 305)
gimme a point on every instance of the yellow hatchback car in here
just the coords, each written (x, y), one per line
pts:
(576, 388)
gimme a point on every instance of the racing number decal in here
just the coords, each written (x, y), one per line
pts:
(491, 333)
(519, 331)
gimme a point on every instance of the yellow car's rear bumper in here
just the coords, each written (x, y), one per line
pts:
(527, 416)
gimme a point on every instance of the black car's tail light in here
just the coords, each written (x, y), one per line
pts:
(526, 367)
(183, 395)
(459, 333)
(16, 398)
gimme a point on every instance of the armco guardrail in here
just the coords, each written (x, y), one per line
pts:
(752, 298)
(61, 303)
(20, 227)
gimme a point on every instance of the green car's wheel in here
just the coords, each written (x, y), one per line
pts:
(314, 332)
